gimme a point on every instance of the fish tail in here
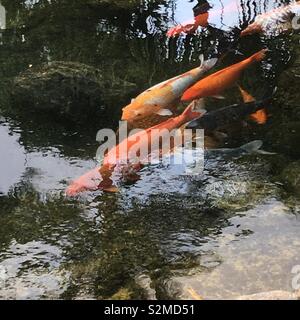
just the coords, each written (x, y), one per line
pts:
(260, 116)
(252, 147)
(209, 64)
(74, 189)
(201, 58)
(259, 56)
(247, 97)
(112, 189)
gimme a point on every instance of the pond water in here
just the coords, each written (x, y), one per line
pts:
(232, 231)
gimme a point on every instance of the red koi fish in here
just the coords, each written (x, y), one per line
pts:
(201, 20)
(189, 26)
(259, 116)
(126, 156)
(215, 84)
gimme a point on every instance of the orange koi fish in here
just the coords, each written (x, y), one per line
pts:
(259, 116)
(126, 155)
(160, 98)
(215, 84)
(275, 21)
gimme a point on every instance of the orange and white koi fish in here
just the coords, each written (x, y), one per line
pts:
(275, 21)
(215, 84)
(201, 20)
(259, 116)
(126, 155)
(160, 98)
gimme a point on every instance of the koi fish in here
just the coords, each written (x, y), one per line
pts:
(259, 116)
(275, 21)
(201, 19)
(223, 117)
(253, 147)
(162, 97)
(191, 26)
(215, 84)
(124, 156)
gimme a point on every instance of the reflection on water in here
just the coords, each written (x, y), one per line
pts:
(264, 232)
(171, 230)
(32, 271)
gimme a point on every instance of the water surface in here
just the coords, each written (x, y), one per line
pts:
(225, 233)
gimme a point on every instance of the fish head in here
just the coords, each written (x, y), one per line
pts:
(74, 189)
(128, 115)
(202, 19)
(87, 182)
(83, 184)
(189, 95)
(144, 116)
(131, 112)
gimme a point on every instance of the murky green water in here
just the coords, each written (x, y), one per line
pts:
(232, 231)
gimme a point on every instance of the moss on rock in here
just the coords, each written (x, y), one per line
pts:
(70, 89)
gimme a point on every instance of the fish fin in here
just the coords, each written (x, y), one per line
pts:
(201, 58)
(267, 153)
(210, 63)
(246, 95)
(217, 96)
(255, 147)
(260, 116)
(239, 53)
(164, 112)
(252, 147)
(192, 111)
(112, 189)
(132, 100)
(259, 56)
(199, 106)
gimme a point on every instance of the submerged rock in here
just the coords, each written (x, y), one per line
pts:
(290, 176)
(272, 295)
(256, 252)
(283, 132)
(145, 283)
(73, 90)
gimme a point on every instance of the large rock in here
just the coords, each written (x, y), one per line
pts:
(72, 90)
(255, 253)
(283, 133)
